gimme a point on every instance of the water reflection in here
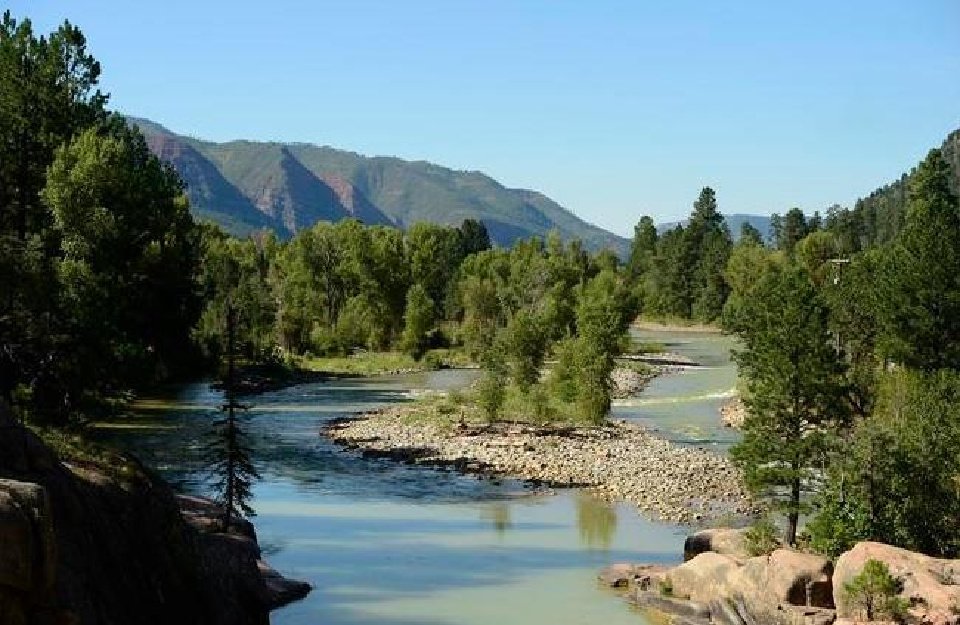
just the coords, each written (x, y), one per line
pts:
(596, 520)
(498, 514)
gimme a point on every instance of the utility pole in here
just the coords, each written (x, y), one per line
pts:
(839, 263)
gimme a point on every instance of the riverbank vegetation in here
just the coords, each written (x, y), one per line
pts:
(851, 370)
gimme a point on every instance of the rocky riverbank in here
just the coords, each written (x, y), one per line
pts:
(618, 461)
(721, 583)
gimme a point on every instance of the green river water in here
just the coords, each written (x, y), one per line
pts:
(393, 544)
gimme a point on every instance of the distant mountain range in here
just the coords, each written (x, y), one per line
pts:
(248, 185)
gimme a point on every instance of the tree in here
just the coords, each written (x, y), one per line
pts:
(524, 347)
(795, 388)
(876, 592)
(474, 237)
(790, 229)
(604, 312)
(47, 94)
(128, 251)
(894, 480)
(750, 234)
(228, 454)
(418, 321)
(643, 249)
(920, 282)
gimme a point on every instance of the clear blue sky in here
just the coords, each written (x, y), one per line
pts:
(615, 109)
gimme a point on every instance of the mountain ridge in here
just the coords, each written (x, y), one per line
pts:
(249, 185)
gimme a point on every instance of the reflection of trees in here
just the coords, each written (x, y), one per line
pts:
(597, 521)
(498, 513)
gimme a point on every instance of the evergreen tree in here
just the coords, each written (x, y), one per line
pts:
(643, 249)
(474, 237)
(750, 234)
(920, 283)
(795, 388)
(228, 454)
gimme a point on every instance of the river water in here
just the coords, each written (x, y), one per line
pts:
(392, 544)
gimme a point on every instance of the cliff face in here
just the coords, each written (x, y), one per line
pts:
(110, 546)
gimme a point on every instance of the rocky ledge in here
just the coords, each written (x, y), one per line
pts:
(618, 461)
(110, 543)
(720, 583)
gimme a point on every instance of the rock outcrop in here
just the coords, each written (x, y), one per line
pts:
(728, 587)
(105, 543)
(725, 541)
(931, 585)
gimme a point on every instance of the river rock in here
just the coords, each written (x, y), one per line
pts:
(929, 584)
(725, 541)
(639, 576)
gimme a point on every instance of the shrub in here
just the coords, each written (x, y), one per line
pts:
(875, 591)
(762, 538)
(666, 587)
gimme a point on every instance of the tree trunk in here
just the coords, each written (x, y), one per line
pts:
(794, 515)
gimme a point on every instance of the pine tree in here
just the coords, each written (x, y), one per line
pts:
(795, 388)
(229, 455)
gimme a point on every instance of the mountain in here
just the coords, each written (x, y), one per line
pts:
(734, 222)
(248, 185)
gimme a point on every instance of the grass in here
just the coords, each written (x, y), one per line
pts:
(74, 448)
(377, 363)
(536, 406)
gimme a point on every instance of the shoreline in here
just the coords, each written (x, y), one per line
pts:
(617, 461)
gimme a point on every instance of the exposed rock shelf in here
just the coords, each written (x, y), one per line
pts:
(111, 544)
(618, 461)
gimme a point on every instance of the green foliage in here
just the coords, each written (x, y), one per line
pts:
(919, 284)
(876, 592)
(524, 344)
(665, 586)
(418, 320)
(795, 389)
(895, 479)
(763, 538)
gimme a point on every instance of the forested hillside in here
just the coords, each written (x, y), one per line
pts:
(878, 217)
(245, 186)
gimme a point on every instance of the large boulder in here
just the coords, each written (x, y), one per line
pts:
(704, 577)
(785, 577)
(931, 585)
(27, 544)
(725, 541)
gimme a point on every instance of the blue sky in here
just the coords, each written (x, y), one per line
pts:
(614, 109)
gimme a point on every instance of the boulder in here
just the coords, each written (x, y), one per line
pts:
(725, 541)
(27, 544)
(785, 577)
(704, 577)
(929, 584)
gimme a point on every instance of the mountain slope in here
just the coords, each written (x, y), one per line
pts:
(292, 186)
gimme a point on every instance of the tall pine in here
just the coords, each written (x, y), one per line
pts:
(229, 455)
(795, 389)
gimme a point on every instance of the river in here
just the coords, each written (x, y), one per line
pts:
(392, 544)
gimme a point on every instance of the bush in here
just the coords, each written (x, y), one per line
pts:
(762, 538)
(666, 587)
(490, 395)
(875, 591)
(432, 361)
